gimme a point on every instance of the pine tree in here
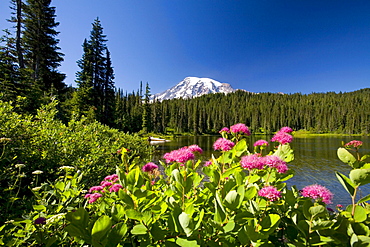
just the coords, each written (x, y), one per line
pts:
(41, 49)
(17, 18)
(146, 125)
(95, 79)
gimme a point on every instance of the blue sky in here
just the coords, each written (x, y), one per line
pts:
(260, 46)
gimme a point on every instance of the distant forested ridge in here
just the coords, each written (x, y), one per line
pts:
(29, 77)
(266, 112)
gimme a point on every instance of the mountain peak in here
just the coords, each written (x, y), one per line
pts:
(194, 87)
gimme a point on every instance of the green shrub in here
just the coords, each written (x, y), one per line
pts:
(43, 143)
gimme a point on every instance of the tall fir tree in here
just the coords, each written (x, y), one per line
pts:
(41, 49)
(146, 117)
(95, 79)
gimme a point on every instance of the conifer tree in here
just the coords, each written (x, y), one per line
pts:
(95, 79)
(146, 125)
(41, 49)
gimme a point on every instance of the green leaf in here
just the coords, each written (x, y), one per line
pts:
(76, 231)
(269, 223)
(80, 217)
(186, 223)
(360, 213)
(118, 211)
(200, 219)
(250, 193)
(39, 207)
(231, 200)
(187, 243)
(229, 226)
(101, 227)
(318, 210)
(321, 225)
(139, 230)
(346, 157)
(134, 214)
(157, 232)
(126, 198)
(364, 199)
(60, 185)
(360, 176)
(118, 232)
(220, 214)
(346, 182)
(285, 153)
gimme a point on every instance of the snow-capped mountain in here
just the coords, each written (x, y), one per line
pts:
(194, 87)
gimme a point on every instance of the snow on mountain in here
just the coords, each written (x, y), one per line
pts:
(194, 87)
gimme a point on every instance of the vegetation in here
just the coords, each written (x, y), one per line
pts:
(239, 199)
(41, 142)
(29, 61)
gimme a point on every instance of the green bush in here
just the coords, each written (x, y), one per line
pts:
(34, 147)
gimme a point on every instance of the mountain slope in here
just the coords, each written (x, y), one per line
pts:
(194, 87)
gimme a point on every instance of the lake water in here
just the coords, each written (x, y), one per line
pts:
(315, 160)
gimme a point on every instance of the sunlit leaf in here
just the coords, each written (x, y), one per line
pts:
(101, 227)
(345, 156)
(139, 230)
(360, 176)
(346, 182)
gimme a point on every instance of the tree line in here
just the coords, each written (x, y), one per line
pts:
(30, 58)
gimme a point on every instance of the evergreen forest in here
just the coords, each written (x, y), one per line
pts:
(29, 77)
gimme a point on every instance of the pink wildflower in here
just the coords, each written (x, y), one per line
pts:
(224, 129)
(149, 167)
(223, 144)
(270, 192)
(195, 149)
(275, 162)
(282, 137)
(286, 130)
(180, 155)
(354, 144)
(251, 162)
(208, 163)
(106, 184)
(94, 197)
(96, 188)
(113, 178)
(317, 192)
(240, 128)
(261, 143)
(115, 188)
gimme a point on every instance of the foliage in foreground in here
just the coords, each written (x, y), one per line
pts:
(239, 198)
(33, 148)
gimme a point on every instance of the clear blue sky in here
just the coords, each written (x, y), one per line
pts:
(260, 46)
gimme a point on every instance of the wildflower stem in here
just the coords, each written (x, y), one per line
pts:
(353, 201)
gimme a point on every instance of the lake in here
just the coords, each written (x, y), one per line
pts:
(315, 160)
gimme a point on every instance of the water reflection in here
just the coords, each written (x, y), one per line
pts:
(315, 160)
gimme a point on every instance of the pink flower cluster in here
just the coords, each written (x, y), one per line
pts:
(223, 144)
(256, 161)
(208, 163)
(270, 192)
(224, 129)
(240, 128)
(317, 192)
(354, 144)
(183, 154)
(149, 167)
(261, 143)
(251, 162)
(108, 184)
(195, 149)
(282, 136)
